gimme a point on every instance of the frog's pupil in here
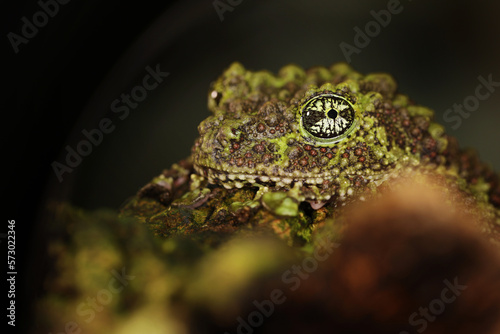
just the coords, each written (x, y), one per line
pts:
(332, 113)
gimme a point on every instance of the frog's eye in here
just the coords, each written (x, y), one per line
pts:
(327, 118)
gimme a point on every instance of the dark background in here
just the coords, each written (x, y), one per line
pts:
(65, 78)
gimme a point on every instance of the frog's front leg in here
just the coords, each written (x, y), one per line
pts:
(255, 203)
(282, 203)
(197, 195)
(279, 202)
(286, 203)
(262, 190)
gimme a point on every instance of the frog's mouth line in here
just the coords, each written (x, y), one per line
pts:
(239, 180)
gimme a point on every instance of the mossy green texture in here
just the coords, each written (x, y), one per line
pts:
(255, 137)
(254, 166)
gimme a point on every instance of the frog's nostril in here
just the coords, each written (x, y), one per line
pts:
(332, 113)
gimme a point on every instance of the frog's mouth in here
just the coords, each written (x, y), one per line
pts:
(322, 186)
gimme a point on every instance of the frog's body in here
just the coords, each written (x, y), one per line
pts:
(322, 135)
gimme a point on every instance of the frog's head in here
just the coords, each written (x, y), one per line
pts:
(331, 131)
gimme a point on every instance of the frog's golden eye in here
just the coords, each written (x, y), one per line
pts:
(327, 118)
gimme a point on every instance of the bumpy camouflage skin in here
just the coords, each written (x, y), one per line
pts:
(327, 136)
(255, 136)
